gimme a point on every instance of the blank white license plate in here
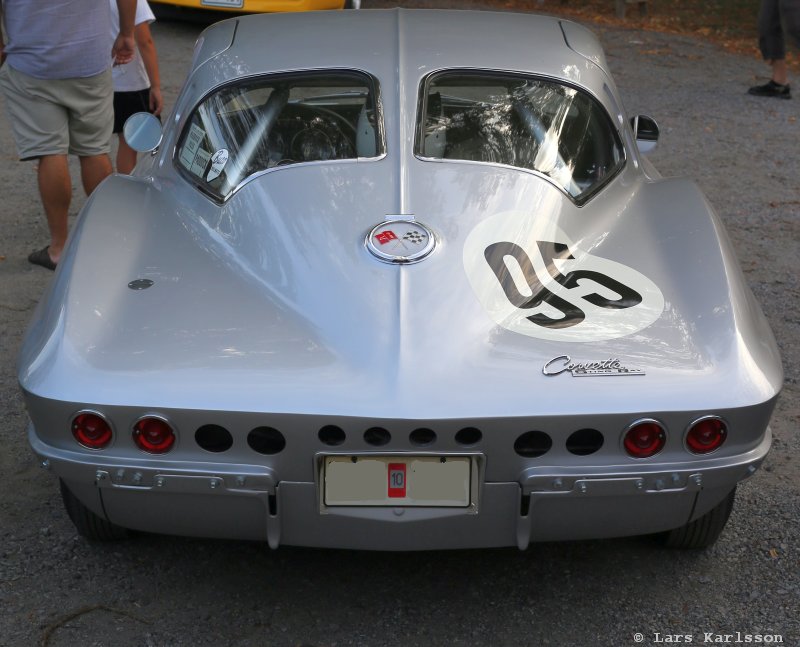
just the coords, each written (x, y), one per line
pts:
(223, 3)
(436, 481)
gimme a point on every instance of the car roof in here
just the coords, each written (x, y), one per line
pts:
(405, 44)
(400, 48)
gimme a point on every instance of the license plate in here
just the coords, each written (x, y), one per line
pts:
(436, 481)
(233, 4)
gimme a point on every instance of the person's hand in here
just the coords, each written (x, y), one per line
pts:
(156, 102)
(123, 49)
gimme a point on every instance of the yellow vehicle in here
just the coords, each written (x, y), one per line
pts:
(259, 6)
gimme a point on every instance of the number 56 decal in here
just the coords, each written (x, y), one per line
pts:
(543, 286)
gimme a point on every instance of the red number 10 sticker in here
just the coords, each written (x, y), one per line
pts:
(397, 481)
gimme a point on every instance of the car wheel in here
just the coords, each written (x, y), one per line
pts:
(352, 4)
(89, 525)
(703, 531)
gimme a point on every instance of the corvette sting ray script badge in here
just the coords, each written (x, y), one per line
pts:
(610, 366)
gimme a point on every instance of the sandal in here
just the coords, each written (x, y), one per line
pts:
(42, 257)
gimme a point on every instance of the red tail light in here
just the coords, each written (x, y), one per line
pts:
(153, 435)
(645, 439)
(91, 430)
(706, 435)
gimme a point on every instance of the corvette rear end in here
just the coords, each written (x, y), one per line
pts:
(433, 300)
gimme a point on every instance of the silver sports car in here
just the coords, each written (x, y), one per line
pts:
(376, 287)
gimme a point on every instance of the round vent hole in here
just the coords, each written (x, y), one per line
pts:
(377, 436)
(213, 438)
(331, 435)
(423, 436)
(266, 440)
(469, 436)
(584, 442)
(533, 444)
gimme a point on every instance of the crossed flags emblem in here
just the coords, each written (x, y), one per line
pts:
(413, 236)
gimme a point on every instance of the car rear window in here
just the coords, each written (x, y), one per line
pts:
(526, 122)
(252, 126)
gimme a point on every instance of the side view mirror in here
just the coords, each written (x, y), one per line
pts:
(142, 132)
(645, 129)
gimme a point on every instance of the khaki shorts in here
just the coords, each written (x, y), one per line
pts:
(59, 116)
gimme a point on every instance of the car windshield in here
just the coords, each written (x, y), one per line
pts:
(526, 122)
(249, 127)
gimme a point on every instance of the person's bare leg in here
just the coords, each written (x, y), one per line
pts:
(779, 73)
(126, 156)
(55, 189)
(94, 169)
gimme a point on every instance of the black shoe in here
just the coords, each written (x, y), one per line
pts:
(42, 257)
(771, 89)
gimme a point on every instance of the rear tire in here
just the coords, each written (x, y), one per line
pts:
(87, 523)
(703, 531)
(352, 4)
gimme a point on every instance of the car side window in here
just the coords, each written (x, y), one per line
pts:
(245, 128)
(522, 121)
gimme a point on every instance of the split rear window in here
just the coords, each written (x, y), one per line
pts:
(252, 126)
(522, 121)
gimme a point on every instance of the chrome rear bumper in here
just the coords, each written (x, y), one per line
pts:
(252, 502)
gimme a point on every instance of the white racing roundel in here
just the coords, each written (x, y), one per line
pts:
(533, 280)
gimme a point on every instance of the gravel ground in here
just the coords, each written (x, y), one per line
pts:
(57, 589)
